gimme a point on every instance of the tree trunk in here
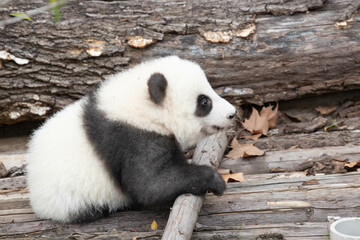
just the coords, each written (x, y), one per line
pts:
(290, 49)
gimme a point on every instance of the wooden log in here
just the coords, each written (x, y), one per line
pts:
(296, 49)
(186, 207)
(288, 159)
(320, 139)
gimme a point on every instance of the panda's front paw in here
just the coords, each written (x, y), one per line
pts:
(217, 184)
(207, 179)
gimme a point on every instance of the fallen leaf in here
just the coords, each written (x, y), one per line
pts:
(326, 110)
(352, 164)
(233, 177)
(243, 150)
(154, 225)
(260, 123)
(273, 115)
(234, 143)
(253, 151)
(292, 147)
(256, 123)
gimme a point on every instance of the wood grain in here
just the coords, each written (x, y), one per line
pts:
(288, 159)
(296, 50)
(262, 205)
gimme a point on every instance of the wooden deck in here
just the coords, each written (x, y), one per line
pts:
(266, 205)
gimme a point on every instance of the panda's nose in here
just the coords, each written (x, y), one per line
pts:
(232, 115)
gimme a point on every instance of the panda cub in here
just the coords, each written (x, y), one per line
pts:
(121, 145)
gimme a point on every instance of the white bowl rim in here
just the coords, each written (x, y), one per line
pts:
(334, 231)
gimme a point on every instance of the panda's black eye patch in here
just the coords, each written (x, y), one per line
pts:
(203, 106)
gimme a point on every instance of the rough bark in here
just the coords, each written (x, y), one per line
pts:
(296, 49)
(289, 159)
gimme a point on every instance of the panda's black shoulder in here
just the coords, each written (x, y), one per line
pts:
(121, 145)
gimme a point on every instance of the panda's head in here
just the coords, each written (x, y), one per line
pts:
(194, 109)
(170, 96)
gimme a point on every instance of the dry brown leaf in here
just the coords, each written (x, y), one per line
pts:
(253, 151)
(260, 123)
(234, 143)
(256, 123)
(293, 147)
(233, 177)
(352, 164)
(243, 150)
(326, 110)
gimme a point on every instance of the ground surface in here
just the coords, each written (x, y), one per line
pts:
(285, 195)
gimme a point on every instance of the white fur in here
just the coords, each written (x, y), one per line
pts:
(64, 173)
(125, 97)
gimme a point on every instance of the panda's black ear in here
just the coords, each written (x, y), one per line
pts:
(157, 87)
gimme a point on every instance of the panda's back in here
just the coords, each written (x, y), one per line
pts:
(60, 155)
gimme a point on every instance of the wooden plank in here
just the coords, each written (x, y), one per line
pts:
(265, 204)
(284, 201)
(288, 159)
(279, 140)
(313, 230)
(13, 145)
